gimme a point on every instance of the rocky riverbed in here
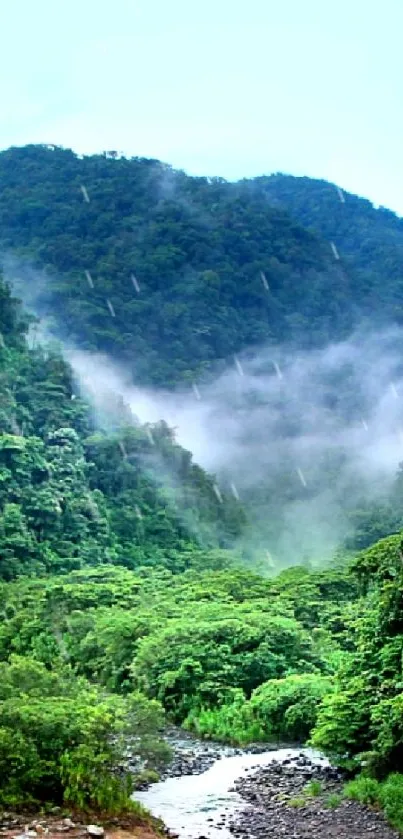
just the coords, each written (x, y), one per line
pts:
(239, 794)
(193, 757)
(299, 799)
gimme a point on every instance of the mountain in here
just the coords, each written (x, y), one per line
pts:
(170, 274)
(369, 240)
(174, 274)
(73, 492)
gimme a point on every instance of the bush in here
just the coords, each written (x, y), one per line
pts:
(19, 766)
(89, 782)
(287, 708)
(232, 722)
(363, 789)
(391, 799)
(63, 740)
(279, 709)
(387, 794)
(313, 789)
(333, 800)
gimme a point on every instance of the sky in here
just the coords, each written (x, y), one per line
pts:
(214, 87)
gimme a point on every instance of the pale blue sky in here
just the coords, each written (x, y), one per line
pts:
(218, 87)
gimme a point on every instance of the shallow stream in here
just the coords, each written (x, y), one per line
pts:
(193, 806)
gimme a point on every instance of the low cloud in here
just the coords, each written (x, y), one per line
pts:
(303, 438)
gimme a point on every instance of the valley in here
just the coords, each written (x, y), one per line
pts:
(249, 595)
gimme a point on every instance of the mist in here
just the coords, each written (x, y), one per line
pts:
(301, 438)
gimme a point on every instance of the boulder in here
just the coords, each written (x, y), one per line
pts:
(95, 830)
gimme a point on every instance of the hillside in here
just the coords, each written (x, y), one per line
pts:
(73, 493)
(174, 274)
(369, 240)
(169, 274)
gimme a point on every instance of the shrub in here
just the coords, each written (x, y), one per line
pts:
(61, 739)
(363, 789)
(279, 709)
(89, 783)
(387, 794)
(287, 708)
(231, 722)
(391, 799)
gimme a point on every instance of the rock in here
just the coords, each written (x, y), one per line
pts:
(95, 830)
(69, 823)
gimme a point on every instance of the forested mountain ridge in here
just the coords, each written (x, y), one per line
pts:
(369, 240)
(173, 274)
(168, 273)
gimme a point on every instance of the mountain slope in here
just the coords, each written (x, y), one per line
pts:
(369, 240)
(72, 494)
(183, 272)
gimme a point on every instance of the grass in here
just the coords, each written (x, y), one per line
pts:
(333, 800)
(297, 802)
(386, 795)
(363, 789)
(313, 789)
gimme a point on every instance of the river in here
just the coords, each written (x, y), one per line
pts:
(194, 806)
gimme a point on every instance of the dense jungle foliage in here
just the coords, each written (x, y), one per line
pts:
(124, 600)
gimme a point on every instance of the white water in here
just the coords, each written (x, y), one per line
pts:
(193, 805)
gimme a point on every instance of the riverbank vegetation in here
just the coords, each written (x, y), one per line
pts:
(386, 795)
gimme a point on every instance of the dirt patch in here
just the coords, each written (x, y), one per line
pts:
(27, 826)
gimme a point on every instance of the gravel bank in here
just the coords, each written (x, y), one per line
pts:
(278, 805)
